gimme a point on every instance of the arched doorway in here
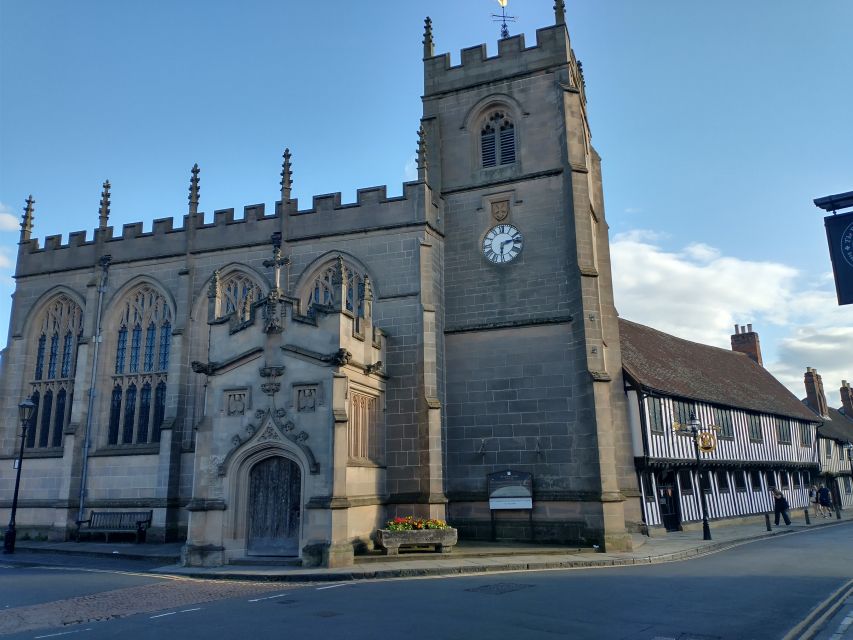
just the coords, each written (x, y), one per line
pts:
(274, 508)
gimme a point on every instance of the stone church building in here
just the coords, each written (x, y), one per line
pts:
(283, 382)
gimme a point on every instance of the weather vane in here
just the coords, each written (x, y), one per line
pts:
(503, 18)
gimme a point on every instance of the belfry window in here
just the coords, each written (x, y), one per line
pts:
(497, 141)
(52, 381)
(136, 416)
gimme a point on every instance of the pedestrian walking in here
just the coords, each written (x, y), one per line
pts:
(780, 507)
(814, 501)
(825, 501)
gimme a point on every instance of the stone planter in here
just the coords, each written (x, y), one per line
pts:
(391, 541)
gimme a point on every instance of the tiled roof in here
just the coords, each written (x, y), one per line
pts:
(671, 366)
(838, 426)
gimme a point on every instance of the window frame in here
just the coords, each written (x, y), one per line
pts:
(755, 429)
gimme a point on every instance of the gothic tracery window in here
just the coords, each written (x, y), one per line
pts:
(138, 396)
(53, 376)
(239, 292)
(321, 291)
(497, 140)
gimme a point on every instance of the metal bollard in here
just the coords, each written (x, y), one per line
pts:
(806, 513)
(767, 521)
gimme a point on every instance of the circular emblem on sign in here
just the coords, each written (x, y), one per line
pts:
(846, 244)
(707, 442)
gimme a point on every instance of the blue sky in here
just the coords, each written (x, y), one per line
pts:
(718, 123)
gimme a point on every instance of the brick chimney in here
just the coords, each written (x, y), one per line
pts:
(745, 340)
(847, 398)
(814, 392)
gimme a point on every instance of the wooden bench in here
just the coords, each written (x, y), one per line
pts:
(108, 522)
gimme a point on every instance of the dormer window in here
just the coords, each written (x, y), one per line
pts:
(497, 141)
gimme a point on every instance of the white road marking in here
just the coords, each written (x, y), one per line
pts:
(188, 610)
(62, 633)
(171, 613)
(280, 595)
(335, 586)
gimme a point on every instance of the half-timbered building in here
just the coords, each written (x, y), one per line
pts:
(835, 438)
(758, 435)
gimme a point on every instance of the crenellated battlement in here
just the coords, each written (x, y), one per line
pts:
(514, 58)
(328, 215)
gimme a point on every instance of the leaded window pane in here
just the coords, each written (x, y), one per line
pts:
(115, 415)
(67, 355)
(59, 419)
(159, 409)
(47, 407)
(144, 413)
(150, 340)
(129, 414)
(40, 357)
(136, 339)
(31, 425)
(121, 349)
(165, 345)
(54, 353)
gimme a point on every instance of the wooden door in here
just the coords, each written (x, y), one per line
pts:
(274, 509)
(668, 500)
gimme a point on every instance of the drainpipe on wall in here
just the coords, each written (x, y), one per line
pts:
(102, 287)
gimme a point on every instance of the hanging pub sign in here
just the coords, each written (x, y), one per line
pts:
(839, 234)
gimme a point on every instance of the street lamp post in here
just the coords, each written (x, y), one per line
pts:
(25, 411)
(694, 425)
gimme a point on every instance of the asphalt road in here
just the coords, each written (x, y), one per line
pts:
(756, 591)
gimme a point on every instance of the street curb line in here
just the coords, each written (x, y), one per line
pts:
(821, 614)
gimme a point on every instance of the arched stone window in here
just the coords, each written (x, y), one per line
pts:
(143, 343)
(239, 292)
(52, 378)
(322, 287)
(497, 140)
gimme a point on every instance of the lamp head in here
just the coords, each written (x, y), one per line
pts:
(694, 422)
(25, 410)
(503, 3)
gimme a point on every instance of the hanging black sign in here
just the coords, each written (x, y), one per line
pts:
(839, 234)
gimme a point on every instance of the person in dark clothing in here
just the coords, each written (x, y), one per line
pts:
(825, 501)
(780, 507)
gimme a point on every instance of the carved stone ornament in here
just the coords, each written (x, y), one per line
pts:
(207, 368)
(236, 402)
(376, 367)
(341, 358)
(271, 388)
(272, 372)
(271, 431)
(272, 319)
(306, 399)
(500, 210)
(280, 413)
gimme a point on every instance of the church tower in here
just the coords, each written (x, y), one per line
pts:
(532, 365)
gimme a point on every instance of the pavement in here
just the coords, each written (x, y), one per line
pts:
(468, 557)
(832, 620)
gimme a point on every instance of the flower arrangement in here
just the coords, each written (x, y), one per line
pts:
(410, 523)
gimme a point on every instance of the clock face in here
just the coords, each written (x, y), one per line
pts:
(502, 244)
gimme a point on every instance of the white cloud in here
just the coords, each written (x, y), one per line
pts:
(697, 293)
(8, 220)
